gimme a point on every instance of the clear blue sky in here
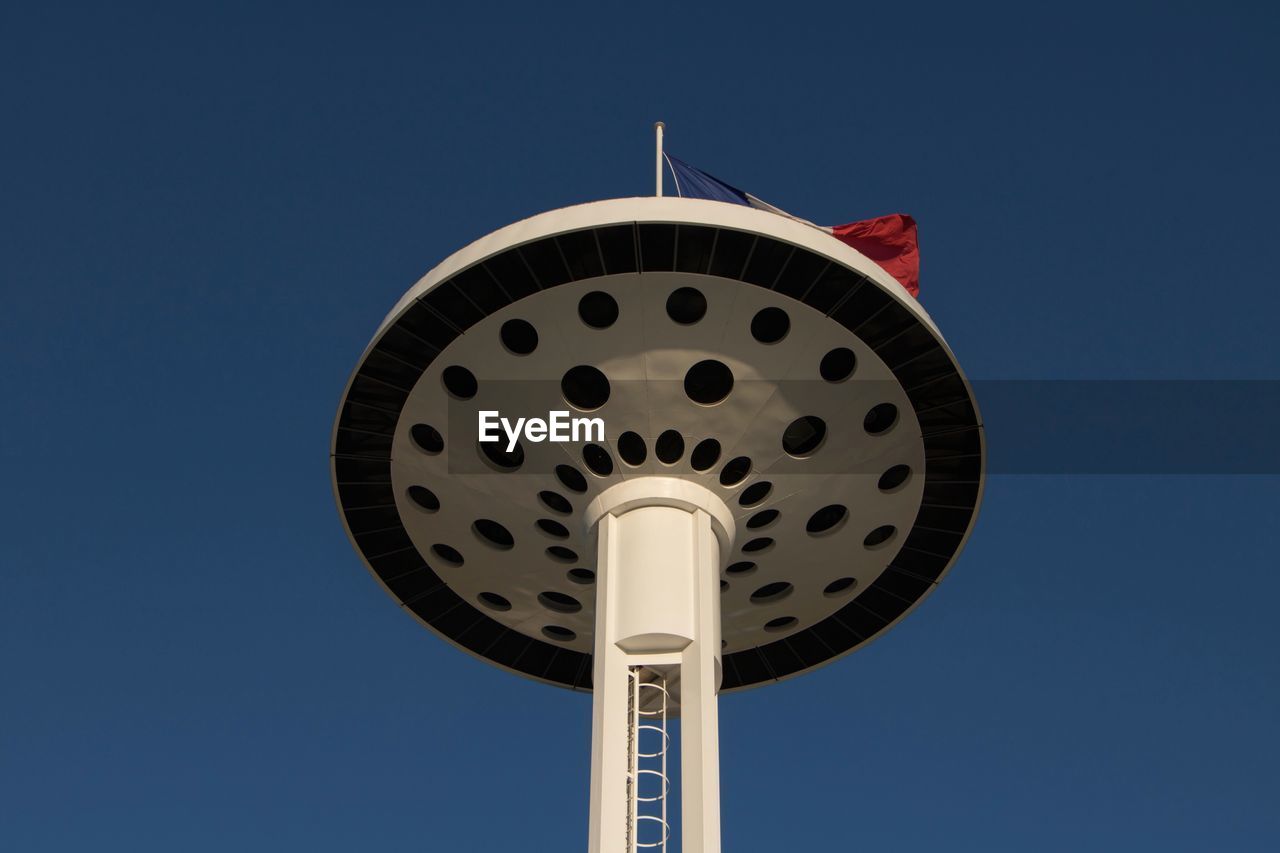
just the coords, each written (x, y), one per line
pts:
(205, 212)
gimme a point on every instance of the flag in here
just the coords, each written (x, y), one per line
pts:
(890, 241)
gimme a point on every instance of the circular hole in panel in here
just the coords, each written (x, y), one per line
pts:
(669, 447)
(558, 633)
(724, 586)
(598, 309)
(782, 623)
(735, 471)
(552, 528)
(686, 306)
(582, 576)
(755, 493)
(838, 365)
(459, 382)
(493, 533)
(424, 498)
(770, 325)
(571, 478)
(428, 438)
(739, 569)
(519, 337)
(803, 436)
(826, 519)
(879, 536)
(559, 602)
(598, 460)
(894, 478)
(772, 592)
(561, 554)
(839, 587)
(493, 601)
(762, 519)
(555, 502)
(495, 453)
(585, 387)
(708, 382)
(757, 545)
(447, 554)
(705, 454)
(880, 419)
(632, 449)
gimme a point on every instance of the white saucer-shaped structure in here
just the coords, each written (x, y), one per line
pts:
(784, 427)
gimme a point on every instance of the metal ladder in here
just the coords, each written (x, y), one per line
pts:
(647, 826)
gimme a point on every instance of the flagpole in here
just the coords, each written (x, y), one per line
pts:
(658, 127)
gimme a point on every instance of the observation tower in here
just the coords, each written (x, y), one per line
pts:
(791, 460)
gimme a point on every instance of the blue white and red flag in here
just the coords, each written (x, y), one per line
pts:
(891, 241)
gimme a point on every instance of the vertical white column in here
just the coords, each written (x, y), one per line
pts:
(657, 605)
(699, 705)
(610, 764)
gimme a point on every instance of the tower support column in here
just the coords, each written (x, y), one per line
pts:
(659, 542)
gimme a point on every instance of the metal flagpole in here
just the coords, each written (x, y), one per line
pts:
(658, 127)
